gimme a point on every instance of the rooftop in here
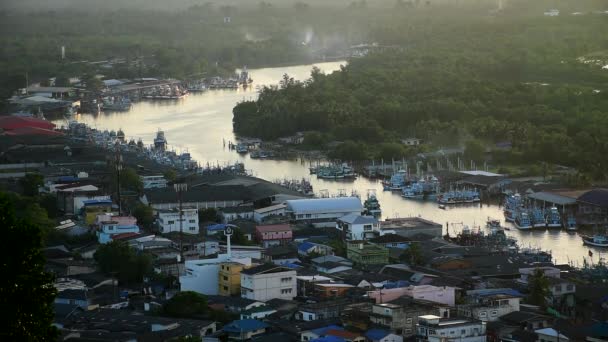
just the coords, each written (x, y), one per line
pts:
(326, 205)
(273, 228)
(552, 197)
(358, 219)
(270, 208)
(265, 269)
(244, 325)
(597, 197)
(408, 222)
(390, 238)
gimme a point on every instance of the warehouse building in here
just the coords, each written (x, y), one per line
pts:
(323, 212)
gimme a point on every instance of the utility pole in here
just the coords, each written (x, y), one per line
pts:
(118, 165)
(179, 188)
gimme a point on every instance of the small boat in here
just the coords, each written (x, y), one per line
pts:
(595, 240)
(571, 223)
(442, 206)
(554, 219)
(241, 148)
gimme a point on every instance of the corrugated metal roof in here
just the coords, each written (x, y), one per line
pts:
(358, 219)
(552, 198)
(326, 205)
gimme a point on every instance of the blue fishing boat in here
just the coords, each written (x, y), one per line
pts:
(397, 181)
(459, 197)
(571, 223)
(522, 220)
(512, 204)
(538, 218)
(414, 191)
(372, 205)
(554, 219)
(241, 148)
(595, 240)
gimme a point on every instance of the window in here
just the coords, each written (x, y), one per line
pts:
(308, 215)
(463, 332)
(110, 227)
(225, 278)
(408, 321)
(570, 287)
(408, 331)
(286, 280)
(285, 291)
(310, 317)
(225, 288)
(192, 221)
(367, 227)
(192, 229)
(170, 222)
(300, 216)
(494, 313)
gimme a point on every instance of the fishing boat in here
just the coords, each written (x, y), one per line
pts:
(459, 197)
(571, 223)
(341, 171)
(522, 220)
(160, 143)
(117, 104)
(538, 219)
(512, 205)
(493, 224)
(397, 181)
(554, 219)
(414, 191)
(241, 148)
(595, 240)
(442, 206)
(372, 205)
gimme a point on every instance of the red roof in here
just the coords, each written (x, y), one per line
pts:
(124, 236)
(13, 122)
(33, 131)
(347, 335)
(273, 228)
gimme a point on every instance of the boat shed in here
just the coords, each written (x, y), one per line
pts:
(557, 199)
(323, 212)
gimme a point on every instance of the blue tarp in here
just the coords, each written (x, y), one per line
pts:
(214, 227)
(305, 246)
(376, 334)
(97, 202)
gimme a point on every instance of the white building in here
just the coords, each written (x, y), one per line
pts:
(168, 221)
(411, 141)
(274, 210)
(550, 335)
(488, 307)
(323, 212)
(266, 282)
(153, 182)
(436, 329)
(202, 275)
(357, 227)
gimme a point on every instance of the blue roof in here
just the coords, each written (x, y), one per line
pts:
(324, 330)
(376, 334)
(492, 292)
(95, 202)
(244, 325)
(396, 284)
(214, 227)
(305, 246)
(292, 265)
(325, 205)
(329, 338)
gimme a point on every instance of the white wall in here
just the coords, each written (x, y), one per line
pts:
(269, 286)
(169, 221)
(202, 276)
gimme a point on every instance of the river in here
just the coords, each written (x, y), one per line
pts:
(202, 122)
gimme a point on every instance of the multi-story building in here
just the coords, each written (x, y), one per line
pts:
(230, 278)
(323, 212)
(273, 235)
(401, 315)
(153, 182)
(489, 305)
(267, 282)
(433, 328)
(363, 253)
(202, 275)
(357, 227)
(168, 221)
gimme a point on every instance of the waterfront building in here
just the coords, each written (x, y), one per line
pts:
(268, 281)
(274, 210)
(410, 226)
(273, 235)
(153, 182)
(364, 254)
(323, 212)
(230, 278)
(169, 221)
(357, 227)
(433, 328)
(593, 207)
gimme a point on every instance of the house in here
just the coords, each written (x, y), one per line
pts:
(550, 335)
(331, 264)
(112, 227)
(322, 212)
(380, 335)
(259, 215)
(153, 182)
(437, 294)
(169, 221)
(230, 278)
(365, 254)
(245, 329)
(234, 305)
(281, 255)
(92, 208)
(332, 290)
(392, 241)
(410, 226)
(267, 282)
(230, 214)
(322, 310)
(259, 312)
(306, 284)
(345, 335)
(70, 197)
(313, 334)
(202, 275)
(357, 227)
(273, 235)
(306, 248)
(73, 297)
(436, 329)
(411, 141)
(401, 315)
(593, 207)
(489, 305)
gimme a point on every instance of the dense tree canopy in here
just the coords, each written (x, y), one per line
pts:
(26, 290)
(119, 259)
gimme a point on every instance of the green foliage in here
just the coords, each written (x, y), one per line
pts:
(170, 175)
(390, 151)
(413, 255)
(314, 140)
(129, 180)
(538, 285)
(474, 150)
(49, 203)
(25, 287)
(186, 304)
(30, 183)
(350, 150)
(339, 247)
(144, 215)
(208, 215)
(117, 258)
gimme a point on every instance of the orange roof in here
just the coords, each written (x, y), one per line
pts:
(273, 228)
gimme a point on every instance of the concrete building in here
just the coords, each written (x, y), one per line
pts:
(274, 210)
(230, 278)
(437, 294)
(323, 212)
(168, 221)
(202, 275)
(273, 235)
(267, 282)
(153, 182)
(410, 226)
(436, 329)
(489, 305)
(113, 226)
(357, 227)
(401, 315)
(364, 253)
